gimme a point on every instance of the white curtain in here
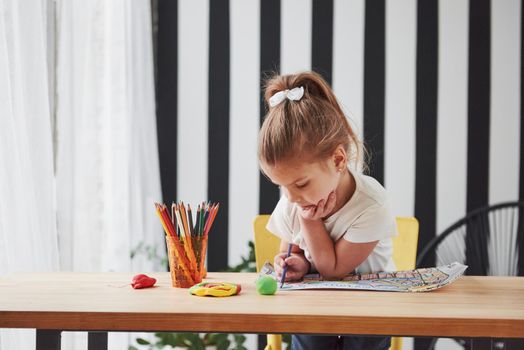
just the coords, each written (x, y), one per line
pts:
(87, 207)
(28, 235)
(107, 167)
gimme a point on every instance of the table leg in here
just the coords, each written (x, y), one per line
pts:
(508, 344)
(97, 341)
(48, 339)
(482, 344)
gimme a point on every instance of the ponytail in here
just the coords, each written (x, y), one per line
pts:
(315, 123)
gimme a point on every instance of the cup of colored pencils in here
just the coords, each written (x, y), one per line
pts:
(186, 240)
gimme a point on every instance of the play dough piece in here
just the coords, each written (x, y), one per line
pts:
(266, 285)
(215, 289)
(142, 281)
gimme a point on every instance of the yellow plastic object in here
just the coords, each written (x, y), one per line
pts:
(266, 244)
(404, 254)
(215, 289)
(274, 342)
(405, 243)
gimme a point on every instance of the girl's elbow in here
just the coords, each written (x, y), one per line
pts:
(334, 275)
(331, 273)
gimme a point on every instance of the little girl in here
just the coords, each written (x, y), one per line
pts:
(337, 219)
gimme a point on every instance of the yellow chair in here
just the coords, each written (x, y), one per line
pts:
(404, 254)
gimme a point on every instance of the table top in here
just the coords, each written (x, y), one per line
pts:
(472, 306)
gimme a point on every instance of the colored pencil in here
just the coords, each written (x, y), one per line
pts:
(201, 226)
(173, 214)
(192, 231)
(211, 219)
(197, 223)
(285, 267)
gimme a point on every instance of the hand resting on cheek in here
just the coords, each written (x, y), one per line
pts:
(323, 208)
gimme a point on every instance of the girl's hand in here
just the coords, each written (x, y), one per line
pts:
(321, 210)
(297, 266)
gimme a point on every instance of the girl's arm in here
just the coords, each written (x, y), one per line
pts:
(297, 263)
(333, 259)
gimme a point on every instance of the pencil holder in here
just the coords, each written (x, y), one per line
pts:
(183, 272)
(186, 240)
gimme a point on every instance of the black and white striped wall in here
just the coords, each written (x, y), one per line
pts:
(434, 87)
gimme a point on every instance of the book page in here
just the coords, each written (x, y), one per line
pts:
(418, 280)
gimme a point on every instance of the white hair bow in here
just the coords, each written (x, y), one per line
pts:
(294, 94)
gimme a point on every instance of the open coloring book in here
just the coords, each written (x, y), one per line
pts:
(419, 280)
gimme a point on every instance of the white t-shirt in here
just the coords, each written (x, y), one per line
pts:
(366, 217)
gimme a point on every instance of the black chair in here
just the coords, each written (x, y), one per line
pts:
(487, 240)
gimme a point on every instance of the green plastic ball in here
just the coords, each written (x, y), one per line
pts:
(266, 285)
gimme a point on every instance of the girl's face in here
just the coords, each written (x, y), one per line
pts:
(304, 182)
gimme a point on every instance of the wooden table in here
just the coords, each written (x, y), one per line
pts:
(53, 302)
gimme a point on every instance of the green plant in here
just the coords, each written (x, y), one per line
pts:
(194, 341)
(248, 264)
(150, 252)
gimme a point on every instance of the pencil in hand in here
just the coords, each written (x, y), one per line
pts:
(285, 267)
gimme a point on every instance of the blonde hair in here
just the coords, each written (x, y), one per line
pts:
(315, 123)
